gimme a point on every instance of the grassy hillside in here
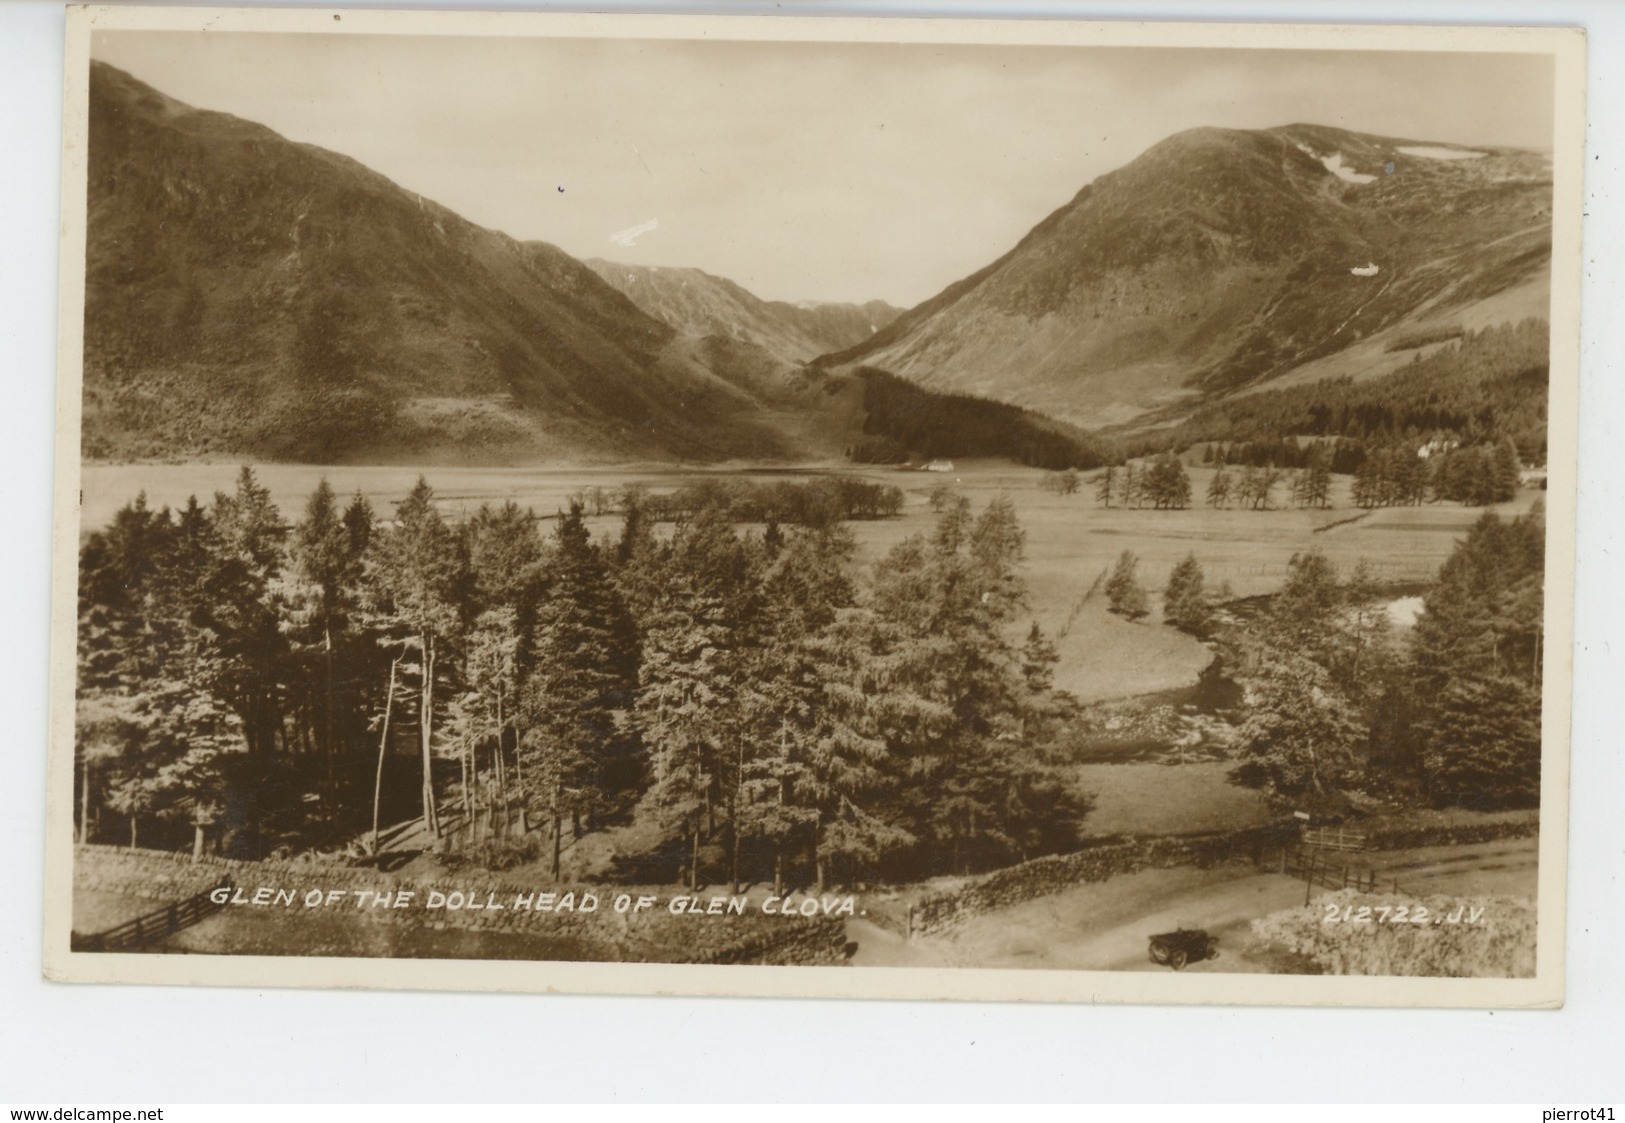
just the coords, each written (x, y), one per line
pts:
(1223, 259)
(249, 295)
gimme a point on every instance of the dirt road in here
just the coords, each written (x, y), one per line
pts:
(1105, 926)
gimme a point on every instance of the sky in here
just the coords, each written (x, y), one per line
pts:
(802, 171)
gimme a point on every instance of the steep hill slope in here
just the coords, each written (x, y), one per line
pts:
(1224, 259)
(249, 295)
(694, 301)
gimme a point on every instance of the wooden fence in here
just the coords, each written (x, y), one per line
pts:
(1339, 839)
(1317, 867)
(154, 925)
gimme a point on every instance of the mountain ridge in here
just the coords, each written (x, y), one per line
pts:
(247, 294)
(1222, 259)
(693, 300)
(250, 294)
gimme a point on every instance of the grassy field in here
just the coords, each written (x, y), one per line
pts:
(1071, 540)
(1167, 799)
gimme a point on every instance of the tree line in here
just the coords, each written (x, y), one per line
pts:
(1476, 476)
(1447, 716)
(1336, 702)
(1486, 386)
(767, 706)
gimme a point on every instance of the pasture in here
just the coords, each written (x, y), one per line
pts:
(1156, 799)
(1072, 541)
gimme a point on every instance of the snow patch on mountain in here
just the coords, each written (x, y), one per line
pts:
(1334, 164)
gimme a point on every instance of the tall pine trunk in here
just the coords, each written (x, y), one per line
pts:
(502, 766)
(327, 721)
(383, 743)
(558, 828)
(431, 817)
(733, 813)
(519, 777)
(468, 830)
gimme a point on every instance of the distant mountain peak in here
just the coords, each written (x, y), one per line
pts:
(1221, 259)
(700, 303)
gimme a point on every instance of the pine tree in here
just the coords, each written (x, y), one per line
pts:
(1106, 486)
(1304, 616)
(581, 680)
(1505, 471)
(1250, 490)
(239, 543)
(326, 552)
(491, 673)
(1314, 485)
(777, 804)
(1413, 478)
(1481, 738)
(1477, 667)
(1123, 592)
(1218, 489)
(1184, 603)
(1168, 484)
(1038, 659)
(1131, 486)
(954, 706)
(169, 623)
(505, 558)
(690, 677)
(1264, 487)
(423, 574)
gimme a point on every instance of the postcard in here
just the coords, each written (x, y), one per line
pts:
(867, 508)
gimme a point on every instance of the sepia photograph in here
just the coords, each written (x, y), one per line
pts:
(829, 507)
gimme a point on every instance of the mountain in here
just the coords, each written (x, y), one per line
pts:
(1221, 261)
(694, 301)
(250, 295)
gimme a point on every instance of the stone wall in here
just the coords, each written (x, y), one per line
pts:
(155, 875)
(651, 935)
(1043, 876)
(1521, 825)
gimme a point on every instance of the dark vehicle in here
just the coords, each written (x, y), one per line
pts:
(1187, 945)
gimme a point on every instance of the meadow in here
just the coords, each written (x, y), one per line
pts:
(1071, 540)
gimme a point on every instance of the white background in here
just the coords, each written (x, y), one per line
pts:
(65, 1045)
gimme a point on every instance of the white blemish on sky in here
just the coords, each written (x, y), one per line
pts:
(631, 234)
(1367, 270)
(1434, 152)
